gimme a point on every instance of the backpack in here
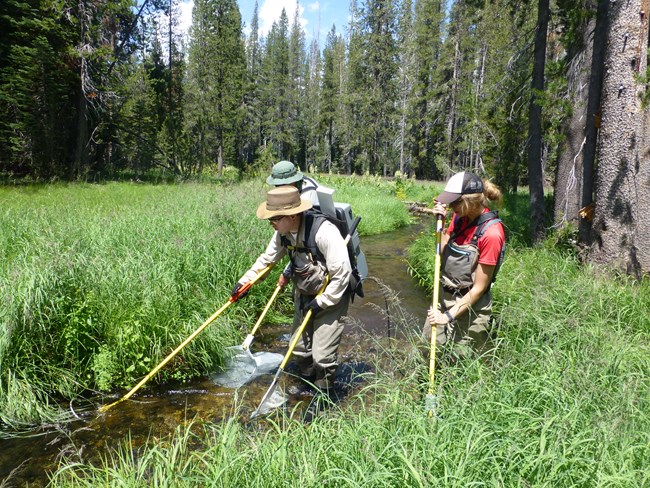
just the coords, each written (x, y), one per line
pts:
(309, 184)
(483, 221)
(314, 218)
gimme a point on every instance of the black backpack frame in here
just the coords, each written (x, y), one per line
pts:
(313, 219)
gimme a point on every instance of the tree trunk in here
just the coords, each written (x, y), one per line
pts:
(535, 172)
(402, 130)
(83, 115)
(477, 160)
(622, 203)
(79, 162)
(220, 157)
(451, 112)
(593, 116)
(568, 178)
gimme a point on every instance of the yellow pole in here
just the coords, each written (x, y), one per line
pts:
(436, 295)
(249, 338)
(230, 301)
(292, 345)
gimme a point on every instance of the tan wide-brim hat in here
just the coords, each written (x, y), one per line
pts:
(283, 200)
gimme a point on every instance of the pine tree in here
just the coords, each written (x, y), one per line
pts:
(407, 73)
(535, 172)
(314, 147)
(297, 91)
(332, 99)
(424, 108)
(354, 157)
(139, 118)
(217, 70)
(620, 225)
(36, 121)
(251, 132)
(380, 59)
(276, 89)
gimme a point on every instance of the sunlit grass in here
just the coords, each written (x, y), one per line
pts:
(563, 401)
(375, 199)
(100, 282)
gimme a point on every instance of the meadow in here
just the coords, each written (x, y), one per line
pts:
(563, 400)
(100, 282)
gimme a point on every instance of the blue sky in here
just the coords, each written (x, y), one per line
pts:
(315, 15)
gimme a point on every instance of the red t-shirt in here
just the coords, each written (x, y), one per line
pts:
(489, 244)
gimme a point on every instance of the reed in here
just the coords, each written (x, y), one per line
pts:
(562, 400)
(100, 281)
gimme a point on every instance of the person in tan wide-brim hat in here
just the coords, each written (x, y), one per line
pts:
(285, 173)
(318, 255)
(283, 200)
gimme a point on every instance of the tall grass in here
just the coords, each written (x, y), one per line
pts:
(100, 282)
(375, 199)
(563, 401)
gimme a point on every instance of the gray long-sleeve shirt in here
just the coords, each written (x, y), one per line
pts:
(330, 243)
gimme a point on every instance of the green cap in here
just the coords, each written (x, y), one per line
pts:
(284, 173)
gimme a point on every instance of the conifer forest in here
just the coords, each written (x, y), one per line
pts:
(543, 94)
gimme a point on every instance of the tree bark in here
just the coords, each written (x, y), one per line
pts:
(593, 115)
(535, 172)
(568, 178)
(622, 203)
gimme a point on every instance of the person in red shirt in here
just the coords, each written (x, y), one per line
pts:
(471, 249)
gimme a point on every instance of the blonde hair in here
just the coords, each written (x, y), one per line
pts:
(474, 201)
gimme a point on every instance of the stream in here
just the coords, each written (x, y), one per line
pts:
(25, 460)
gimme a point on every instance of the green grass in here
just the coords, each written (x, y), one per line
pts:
(564, 401)
(100, 282)
(375, 199)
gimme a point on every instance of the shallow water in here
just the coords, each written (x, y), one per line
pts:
(156, 411)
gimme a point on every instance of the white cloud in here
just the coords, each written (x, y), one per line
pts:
(186, 16)
(183, 24)
(271, 10)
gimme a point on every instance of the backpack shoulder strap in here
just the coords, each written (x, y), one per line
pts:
(476, 222)
(489, 218)
(308, 184)
(313, 219)
(456, 231)
(484, 221)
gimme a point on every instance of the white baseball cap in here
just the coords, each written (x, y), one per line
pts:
(463, 183)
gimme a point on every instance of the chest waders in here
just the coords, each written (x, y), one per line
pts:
(459, 261)
(266, 403)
